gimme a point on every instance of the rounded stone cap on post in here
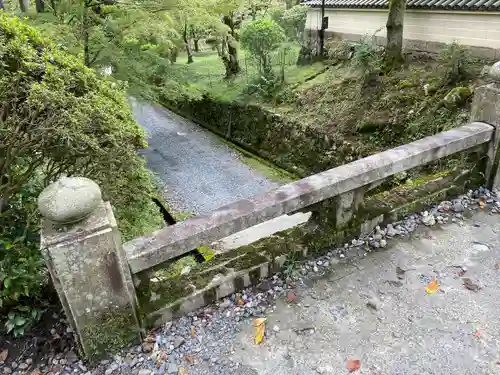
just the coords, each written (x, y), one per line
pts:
(494, 72)
(69, 200)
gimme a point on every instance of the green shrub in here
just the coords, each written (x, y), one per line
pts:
(58, 118)
(367, 59)
(260, 38)
(457, 62)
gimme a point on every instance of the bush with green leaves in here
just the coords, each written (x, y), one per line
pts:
(261, 38)
(57, 117)
(367, 59)
(457, 61)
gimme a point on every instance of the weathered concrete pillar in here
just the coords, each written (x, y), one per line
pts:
(486, 108)
(83, 251)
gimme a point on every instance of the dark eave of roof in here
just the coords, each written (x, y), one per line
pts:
(469, 5)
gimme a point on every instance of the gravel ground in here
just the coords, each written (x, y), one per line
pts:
(200, 172)
(344, 305)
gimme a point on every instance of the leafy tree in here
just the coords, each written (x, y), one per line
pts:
(261, 38)
(292, 20)
(394, 25)
(57, 117)
(255, 6)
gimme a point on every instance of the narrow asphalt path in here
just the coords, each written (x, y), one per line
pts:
(197, 170)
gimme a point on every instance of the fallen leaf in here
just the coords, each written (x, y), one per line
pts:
(400, 273)
(470, 285)
(183, 371)
(193, 332)
(239, 300)
(482, 203)
(432, 287)
(353, 365)
(4, 354)
(260, 328)
(461, 272)
(395, 283)
(189, 358)
(497, 266)
(291, 296)
(36, 372)
(147, 346)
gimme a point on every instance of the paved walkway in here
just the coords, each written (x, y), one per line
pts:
(199, 172)
(391, 324)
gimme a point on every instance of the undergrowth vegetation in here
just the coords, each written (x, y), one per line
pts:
(360, 101)
(58, 118)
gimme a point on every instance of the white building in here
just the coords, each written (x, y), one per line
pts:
(429, 24)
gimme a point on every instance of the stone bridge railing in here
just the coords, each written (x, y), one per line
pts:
(105, 287)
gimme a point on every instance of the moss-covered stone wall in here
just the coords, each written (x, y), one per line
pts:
(291, 146)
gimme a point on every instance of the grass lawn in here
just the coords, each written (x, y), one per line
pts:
(206, 73)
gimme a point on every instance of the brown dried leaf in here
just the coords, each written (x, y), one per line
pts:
(470, 285)
(353, 365)
(193, 332)
(189, 358)
(481, 203)
(150, 338)
(147, 346)
(260, 328)
(239, 300)
(4, 354)
(497, 266)
(182, 371)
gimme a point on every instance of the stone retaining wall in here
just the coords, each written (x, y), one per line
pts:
(289, 145)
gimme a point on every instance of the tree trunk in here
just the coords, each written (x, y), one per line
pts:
(40, 6)
(24, 5)
(53, 6)
(395, 22)
(196, 46)
(2, 6)
(231, 61)
(186, 44)
(85, 37)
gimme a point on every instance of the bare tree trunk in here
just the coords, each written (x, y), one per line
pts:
(24, 5)
(231, 61)
(186, 43)
(196, 46)
(40, 6)
(85, 36)
(53, 6)
(395, 22)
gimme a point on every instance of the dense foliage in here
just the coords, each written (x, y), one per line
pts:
(261, 38)
(57, 117)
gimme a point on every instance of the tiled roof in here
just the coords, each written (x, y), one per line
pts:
(478, 5)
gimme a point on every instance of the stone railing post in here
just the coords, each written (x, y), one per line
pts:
(82, 247)
(486, 108)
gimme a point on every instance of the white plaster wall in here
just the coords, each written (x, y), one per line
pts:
(481, 29)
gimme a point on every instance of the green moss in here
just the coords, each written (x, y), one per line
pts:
(109, 332)
(271, 172)
(404, 84)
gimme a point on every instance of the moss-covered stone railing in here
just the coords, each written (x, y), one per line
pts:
(93, 271)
